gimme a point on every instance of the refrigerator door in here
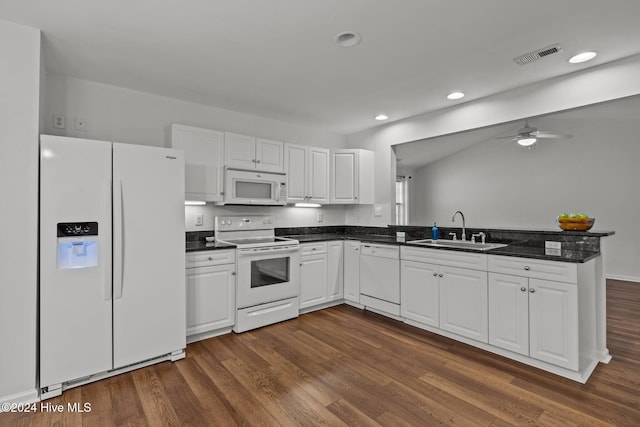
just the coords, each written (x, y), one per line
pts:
(149, 240)
(75, 270)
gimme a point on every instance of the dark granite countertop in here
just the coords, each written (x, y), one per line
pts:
(578, 246)
(199, 245)
(519, 249)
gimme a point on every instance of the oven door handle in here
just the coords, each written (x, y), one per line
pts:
(267, 250)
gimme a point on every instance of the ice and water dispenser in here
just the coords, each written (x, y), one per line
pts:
(77, 245)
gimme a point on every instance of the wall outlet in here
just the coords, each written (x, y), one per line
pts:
(199, 220)
(552, 245)
(319, 217)
(377, 211)
(58, 121)
(401, 236)
(81, 123)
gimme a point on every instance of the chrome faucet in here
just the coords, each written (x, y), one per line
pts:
(464, 230)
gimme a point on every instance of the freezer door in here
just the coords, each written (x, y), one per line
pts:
(149, 260)
(75, 271)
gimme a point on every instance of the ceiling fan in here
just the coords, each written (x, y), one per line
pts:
(528, 135)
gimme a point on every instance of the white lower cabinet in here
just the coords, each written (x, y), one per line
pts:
(313, 276)
(439, 291)
(539, 312)
(321, 274)
(352, 271)
(211, 292)
(463, 302)
(419, 292)
(536, 317)
(335, 270)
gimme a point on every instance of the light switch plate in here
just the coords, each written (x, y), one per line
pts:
(377, 211)
(199, 219)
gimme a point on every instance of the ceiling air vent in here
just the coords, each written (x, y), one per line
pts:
(537, 54)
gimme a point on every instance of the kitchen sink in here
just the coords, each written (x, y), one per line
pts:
(460, 244)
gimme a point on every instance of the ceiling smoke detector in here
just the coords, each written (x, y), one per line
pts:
(537, 54)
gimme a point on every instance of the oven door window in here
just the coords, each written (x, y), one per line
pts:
(270, 271)
(253, 190)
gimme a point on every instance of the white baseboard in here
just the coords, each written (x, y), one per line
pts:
(24, 397)
(624, 278)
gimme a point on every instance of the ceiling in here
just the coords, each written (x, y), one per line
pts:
(278, 58)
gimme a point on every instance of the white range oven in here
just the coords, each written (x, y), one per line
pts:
(268, 270)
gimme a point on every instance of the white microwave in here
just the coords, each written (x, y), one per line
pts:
(244, 187)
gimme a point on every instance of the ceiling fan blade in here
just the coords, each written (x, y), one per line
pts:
(507, 137)
(551, 135)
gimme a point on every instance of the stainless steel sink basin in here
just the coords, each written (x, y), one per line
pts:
(460, 244)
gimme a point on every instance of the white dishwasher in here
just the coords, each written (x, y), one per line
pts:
(380, 277)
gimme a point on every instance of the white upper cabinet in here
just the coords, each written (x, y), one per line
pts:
(248, 152)
(352, 176)
(307, 173)
(204, 161)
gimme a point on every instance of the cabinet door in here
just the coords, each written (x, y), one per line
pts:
(269, 155)
(313, 280)
(352, 270)
(419, 292)
(295, 158)
(239, 151)
(509, 312)
(204, 161)
(344, 176)
(210, 298)
(553, 322)
(335, 269)
(318, 175)
(463, 302)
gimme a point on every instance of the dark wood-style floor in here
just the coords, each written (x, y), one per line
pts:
(343, 366)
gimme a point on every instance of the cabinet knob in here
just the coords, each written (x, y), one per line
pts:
(440, 275)
(435, 274)
(257, 161)
(526, 267)
(355, 198)
(357, 249)
(253, 160)
(532, 290)
(210, 259)
(523, 289)
(233, 273)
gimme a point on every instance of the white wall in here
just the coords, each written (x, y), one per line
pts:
(19, 105)
(593, 85)
(119, 114)
(502, 185)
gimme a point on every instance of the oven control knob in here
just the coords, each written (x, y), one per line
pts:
(264, 221)
(269, 220)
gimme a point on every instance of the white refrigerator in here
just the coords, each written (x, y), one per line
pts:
(112, 278)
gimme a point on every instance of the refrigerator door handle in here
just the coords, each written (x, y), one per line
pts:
(108, 286)
(118, 253)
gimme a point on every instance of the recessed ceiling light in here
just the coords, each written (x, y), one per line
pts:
(582, 57)
(455, 95)
(348, 39)
(381, 117)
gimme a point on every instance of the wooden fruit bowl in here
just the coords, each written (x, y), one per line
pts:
(576, 224)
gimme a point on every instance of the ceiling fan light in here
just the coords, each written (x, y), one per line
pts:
(527, 141)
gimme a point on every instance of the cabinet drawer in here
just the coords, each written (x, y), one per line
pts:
(313, 248)
(207, 258)
(540, 269)
(472, 260)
